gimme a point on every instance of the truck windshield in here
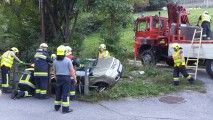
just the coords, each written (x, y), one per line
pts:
(142, 25)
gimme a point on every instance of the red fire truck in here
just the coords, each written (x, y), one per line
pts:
(154, 36)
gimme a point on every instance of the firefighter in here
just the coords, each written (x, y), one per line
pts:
(205, 20)
(179, 65)
(103, 52)
(76, 64)
(63, 70)
(6, 64)
(26, 84)
(41, 60)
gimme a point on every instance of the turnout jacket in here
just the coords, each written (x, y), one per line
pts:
(41, 60)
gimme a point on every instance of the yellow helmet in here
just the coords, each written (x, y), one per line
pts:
(176, 46)
(103, 46)
(61, 50)
(14, 49)
(43, 45)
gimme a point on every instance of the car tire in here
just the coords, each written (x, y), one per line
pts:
(148, 57)
(209, 67)
(101, 86)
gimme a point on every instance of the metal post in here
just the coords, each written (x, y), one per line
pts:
(49, 86)
(15, 77)
(86, 81)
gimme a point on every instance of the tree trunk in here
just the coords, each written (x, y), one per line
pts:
(74, 25)
(67, 21)
(112, 27)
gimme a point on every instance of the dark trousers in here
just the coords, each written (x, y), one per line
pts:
(62, 92)
(5, 72)
(178, 70)
(28, 91)
(206, 30)
(41, 86)
(72, 90)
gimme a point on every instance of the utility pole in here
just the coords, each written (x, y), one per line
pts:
(41, 4)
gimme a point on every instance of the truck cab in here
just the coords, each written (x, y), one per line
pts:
(151, 38)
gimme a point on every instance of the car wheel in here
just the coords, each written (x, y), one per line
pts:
(101, 87)
(209, 67)
(148, 57)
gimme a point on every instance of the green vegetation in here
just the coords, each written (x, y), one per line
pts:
(155, 81)
(83, 26)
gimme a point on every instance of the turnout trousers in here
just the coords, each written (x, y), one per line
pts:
(183, 71)
(62, 92)
(5, 72)
(206, 30)
(28, 91)
(41, 86)
(72, 90)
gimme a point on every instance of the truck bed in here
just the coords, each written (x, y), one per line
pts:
(206, 50)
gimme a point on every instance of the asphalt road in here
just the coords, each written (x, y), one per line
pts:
(194, 106)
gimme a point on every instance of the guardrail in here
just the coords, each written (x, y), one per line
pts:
(16, 71)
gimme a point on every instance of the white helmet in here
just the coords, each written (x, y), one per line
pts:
(14, 49)
(68, 50)
(103, 46)
(205, 12)
(43, 45)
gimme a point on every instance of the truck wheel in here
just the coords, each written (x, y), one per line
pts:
(209, 67)
(170, 62)
(148, 57)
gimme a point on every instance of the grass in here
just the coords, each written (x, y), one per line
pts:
(154, 82)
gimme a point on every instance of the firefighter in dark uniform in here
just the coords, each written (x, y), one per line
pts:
(76, 64)
(41, 60)
(6, 64)
(63, 70)
(205, 20)
(26, 84)
(179, 65)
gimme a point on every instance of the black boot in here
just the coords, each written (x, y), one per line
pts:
(66, 110)
(57, 107)
(191, 80)
(42, 97)
(176, 83)
(6, 90)
(20, 94)
(14, 94)
(37, 95)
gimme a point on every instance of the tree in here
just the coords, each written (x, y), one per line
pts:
(157, 4)
(115, 13)
(21, 25)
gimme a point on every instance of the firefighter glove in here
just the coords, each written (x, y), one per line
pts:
(21, 62)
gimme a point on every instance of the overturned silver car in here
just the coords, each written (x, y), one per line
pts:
(102, 73)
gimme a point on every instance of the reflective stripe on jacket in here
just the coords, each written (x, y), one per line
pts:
(103, 54)
(28, 78)
(41, 59)
(177, 58)
(7, 59)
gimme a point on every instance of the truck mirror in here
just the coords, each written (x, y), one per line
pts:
(134, 29)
